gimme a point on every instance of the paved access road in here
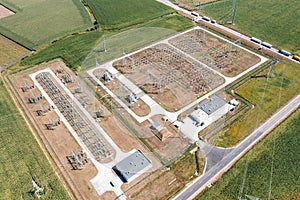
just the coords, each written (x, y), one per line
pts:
(224, 28)
(200, 183)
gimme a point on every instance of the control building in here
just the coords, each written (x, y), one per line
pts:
(132, 166)
(206, 113)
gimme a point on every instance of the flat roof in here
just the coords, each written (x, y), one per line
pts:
(135, 163)
(212, 104)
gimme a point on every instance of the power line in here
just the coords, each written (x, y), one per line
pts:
(244, 178)
(274, 142)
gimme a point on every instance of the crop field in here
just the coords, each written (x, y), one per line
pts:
(273, 21)
(174, 22)
(114, 14)
(267, 95)
(10, 51)
(38, 22)
(72, 49)
(279, 154)
(21, 157)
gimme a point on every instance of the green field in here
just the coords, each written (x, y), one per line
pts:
(21, 157)
(79, 48)
(254, 169)
(267, 95)
(115, 14)
(10, 51)
(273, 21)
(38, 22)
(174, 22)
(72, 49)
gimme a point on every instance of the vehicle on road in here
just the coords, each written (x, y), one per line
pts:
(112, 184)
(206, 18)
(296, 57)
(283, 52)
(213, 21)
(265, 44)
(255, 40)
(195, 14)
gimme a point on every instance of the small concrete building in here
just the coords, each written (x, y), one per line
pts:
(161, 132)
(132, 166)
(156, 126)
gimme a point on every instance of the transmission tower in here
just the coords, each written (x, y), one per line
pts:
(124, 58)
(235, 3)
(203, 36)
(132, 64)
(199, 6)
(104, 43)
(97, 64)
(272, 68)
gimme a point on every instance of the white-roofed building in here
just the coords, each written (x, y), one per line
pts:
(205, 114)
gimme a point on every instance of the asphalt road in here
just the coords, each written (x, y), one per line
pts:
(224, 28)
(200, 183)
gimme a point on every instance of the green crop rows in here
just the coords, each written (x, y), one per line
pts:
(21, 157)
(10, 51)
(115, 14)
